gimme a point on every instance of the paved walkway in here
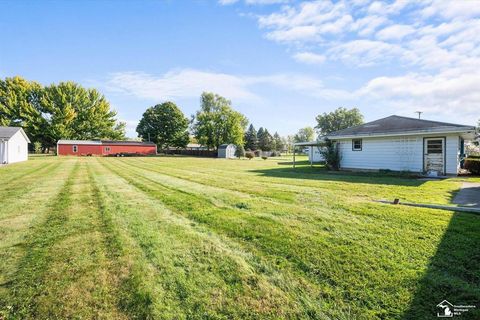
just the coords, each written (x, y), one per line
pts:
(469, 195)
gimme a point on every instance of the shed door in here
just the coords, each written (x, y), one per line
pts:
(3, 152)
(434, 158)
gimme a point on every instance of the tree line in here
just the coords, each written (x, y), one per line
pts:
(214, 124)
(69, 111)
(59, 111)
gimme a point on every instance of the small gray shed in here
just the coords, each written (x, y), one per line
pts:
(227, 151)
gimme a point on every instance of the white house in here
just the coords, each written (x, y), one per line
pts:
(403, 144)
(13, 145)
(227, 151)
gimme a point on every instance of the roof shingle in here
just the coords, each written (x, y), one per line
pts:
(397, 124)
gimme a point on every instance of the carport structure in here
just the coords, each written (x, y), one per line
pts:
(310, 144)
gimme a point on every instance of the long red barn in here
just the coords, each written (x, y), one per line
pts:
(104, 147)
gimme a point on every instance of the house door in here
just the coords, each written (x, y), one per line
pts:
(434, 157)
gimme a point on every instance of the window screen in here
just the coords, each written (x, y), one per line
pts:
(434, 146)
(357, 145)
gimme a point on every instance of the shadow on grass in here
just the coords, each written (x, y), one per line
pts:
(303, 170)
(453, 273)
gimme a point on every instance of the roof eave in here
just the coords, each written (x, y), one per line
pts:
(404, 133)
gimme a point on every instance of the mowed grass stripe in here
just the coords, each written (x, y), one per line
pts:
(197, 272)
(313, 256)
(16, 217)
(366, 186)
(198, 176)
(65, 272)
(26, 182)
(313, 210)
(17, 171)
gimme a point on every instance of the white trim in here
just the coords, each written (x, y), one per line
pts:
(404, 133)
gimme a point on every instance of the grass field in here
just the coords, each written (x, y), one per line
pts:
(192, 238)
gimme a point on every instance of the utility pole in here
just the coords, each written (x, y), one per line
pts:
(419, 113)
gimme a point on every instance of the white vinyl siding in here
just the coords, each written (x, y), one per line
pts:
(402, 153)
(314, 154)
(452, 148)
(17, 148)
(227, 151)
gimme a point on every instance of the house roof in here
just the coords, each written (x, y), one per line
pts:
(128, 142)
(399, 125)
(8, 132)
(106, 142)
(224, 146)
(98, 142)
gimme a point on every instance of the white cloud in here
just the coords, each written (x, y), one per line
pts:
(451, 94)
(309, 57)
(434, 43)
(395, 32)
(452, 9)
(179, 83)
(189, 83)
(449, 29)
(363, 53)
(253, 2)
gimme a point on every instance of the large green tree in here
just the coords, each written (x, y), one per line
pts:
(74, 112)
(251, 140)
(278, 144)
(65, 110)
(304, 135)
(265, 140)
(19, 105)
(166, 125)
(339, 119)
(217, 122)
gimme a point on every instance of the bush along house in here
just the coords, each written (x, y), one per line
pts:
(104, 148)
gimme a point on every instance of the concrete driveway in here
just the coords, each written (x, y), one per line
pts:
(469, 195)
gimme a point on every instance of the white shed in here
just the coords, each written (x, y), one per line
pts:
(227, 151)
(13, 145)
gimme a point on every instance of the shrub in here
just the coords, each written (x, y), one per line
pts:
(249, 155)
(331, 155)
(275, 154)
(258, 153)
(472, 165)
(264, 157)
(37, 147)
(240, 152)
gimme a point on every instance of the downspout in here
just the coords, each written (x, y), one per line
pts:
(311, 156)
(2, 151)
(294, 156)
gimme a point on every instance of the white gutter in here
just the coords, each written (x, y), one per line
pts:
(404, 133)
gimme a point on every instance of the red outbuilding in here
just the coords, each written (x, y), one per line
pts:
(104, 148)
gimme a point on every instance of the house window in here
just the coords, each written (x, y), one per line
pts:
(75, 148)
(107, 149)
(357, 145)
(434, 146)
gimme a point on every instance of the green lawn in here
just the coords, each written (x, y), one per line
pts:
(193, 238)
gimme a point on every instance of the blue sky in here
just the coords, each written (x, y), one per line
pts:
(280, 62)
